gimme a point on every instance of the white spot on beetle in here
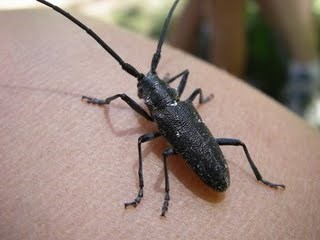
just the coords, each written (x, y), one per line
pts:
(174, 104)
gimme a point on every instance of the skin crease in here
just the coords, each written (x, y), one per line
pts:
(67, 167)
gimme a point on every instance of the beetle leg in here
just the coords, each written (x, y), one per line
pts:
(237, 142)
(169, 79)
(142, 139)
(182, 83)
(166, 78)
(201, 99)
(166, 154)
(135, 106)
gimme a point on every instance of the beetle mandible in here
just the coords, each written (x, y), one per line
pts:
(177, 121)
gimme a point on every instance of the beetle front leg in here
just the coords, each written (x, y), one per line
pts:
(237, 142)
(142, 139)
(166, 154)
(135, 106)
(202, 99)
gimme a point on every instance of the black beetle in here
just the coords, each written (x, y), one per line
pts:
(177, 121)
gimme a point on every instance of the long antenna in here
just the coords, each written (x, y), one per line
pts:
(125, 66)
(157, 54)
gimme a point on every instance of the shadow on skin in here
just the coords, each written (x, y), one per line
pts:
(178, 167)
(184, 173)
(141, 128)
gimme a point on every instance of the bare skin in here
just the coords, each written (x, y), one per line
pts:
(67, 167)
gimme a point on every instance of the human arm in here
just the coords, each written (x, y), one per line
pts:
(68, 167)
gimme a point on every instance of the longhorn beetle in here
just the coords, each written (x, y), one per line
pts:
(178, 121)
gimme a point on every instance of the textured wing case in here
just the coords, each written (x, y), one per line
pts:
(184, 129)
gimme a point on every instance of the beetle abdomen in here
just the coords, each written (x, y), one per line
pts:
(209, 164)
(184, 129)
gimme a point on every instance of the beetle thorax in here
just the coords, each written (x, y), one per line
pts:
(155, 92)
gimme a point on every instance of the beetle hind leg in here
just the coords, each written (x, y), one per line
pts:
(237, 142)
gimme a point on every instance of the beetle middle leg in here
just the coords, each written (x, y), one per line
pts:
(142, 139)
(135, 106)
(166, 154)
(237, 142)
(182, 83)
(202, 99)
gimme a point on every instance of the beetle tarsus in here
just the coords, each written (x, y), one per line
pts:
(273, 185)
(133, 203)
(136, 201)
(207, 99)
(165, 205)
(93, 100)
(202, 99)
